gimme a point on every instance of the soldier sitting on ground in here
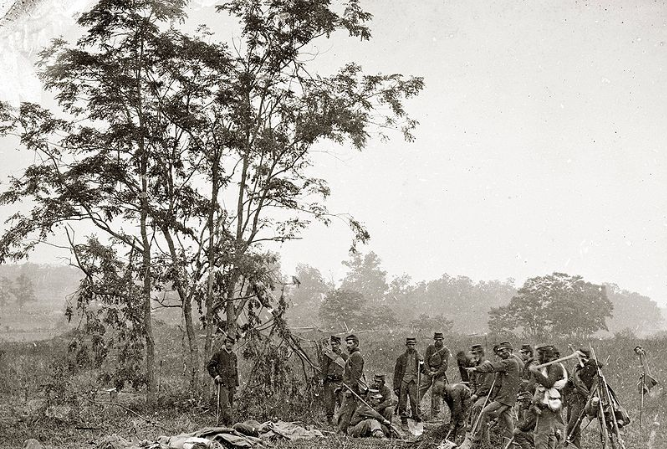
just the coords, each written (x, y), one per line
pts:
(387, 404)
(366, 421)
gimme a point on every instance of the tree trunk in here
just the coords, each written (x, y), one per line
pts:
(151, 381)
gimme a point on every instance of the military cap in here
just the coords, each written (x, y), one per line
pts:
(496, 348)
(353, 338)
(334, 339)
(546, 348)
(477, 349)
(505, 345)
(527, 347)
(410, 340)
(379, 377)
(230, 339)
(438, 335)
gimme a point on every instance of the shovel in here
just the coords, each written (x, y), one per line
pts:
(467, 442)
(414, 427)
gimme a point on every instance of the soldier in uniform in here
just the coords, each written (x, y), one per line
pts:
(523, 432)
(387, 404)
(463, 361)
(333, 366)
(224, 370)
(527, 385)
(583, 379)
(352, 382)
(406, 372)
(457, 398)
(436, 361)
(508, 370)
(548, 430)
(480, 383)
(366, 421)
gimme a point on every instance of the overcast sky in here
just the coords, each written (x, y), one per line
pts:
(541, 144)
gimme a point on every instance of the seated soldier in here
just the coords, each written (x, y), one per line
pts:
(366, 422)
(457, 398)
(387, 404)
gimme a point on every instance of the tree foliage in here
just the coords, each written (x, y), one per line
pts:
(366, 276)
(632, 311)
(557, 304)
(188, 156)
(306, 294)
(23, 290)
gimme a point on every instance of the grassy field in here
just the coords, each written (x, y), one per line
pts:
(69, 411)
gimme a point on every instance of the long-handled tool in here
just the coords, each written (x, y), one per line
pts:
(575, 354)
(354, 393)
(467, 442)
(646, 381)
(217, 406)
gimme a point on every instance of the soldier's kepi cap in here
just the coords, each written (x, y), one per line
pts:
(505, 345)
(527, 347)
(438, 335)
(477, 349)
(545, 348)
(334, 339)
(231, 339)
(410, 340)
(353, 338)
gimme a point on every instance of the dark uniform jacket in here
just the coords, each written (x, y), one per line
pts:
(555, 373)
(437, 360)
(584, 377)
(455, 396)
(509, 378)
(399, 369)
(387, 399)
(480, 383)
(363, 412)
(224, 364)
(331, 370)
(354, 370)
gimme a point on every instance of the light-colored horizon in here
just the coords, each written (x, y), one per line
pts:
(540, 147)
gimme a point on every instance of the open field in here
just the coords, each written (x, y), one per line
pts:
(81, 413)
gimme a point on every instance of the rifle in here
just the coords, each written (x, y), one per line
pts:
(354, 393)
(604, 393)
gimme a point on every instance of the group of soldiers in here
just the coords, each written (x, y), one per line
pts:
(522, 395)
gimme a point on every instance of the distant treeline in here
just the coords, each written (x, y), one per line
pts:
(366, 297)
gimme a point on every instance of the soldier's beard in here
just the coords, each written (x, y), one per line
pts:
(439, 344)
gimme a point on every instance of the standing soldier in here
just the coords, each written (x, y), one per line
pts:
(508, 370)
(480, 383)
(333, 366)
(457, 398)
(583, 379)
(352, 382)
(527, 384)
(406, 372)
(386, 405)
(463, 361)
(224, 370)
(436, 361)
(549, 381)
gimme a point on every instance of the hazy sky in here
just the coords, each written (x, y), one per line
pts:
(541, 144)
